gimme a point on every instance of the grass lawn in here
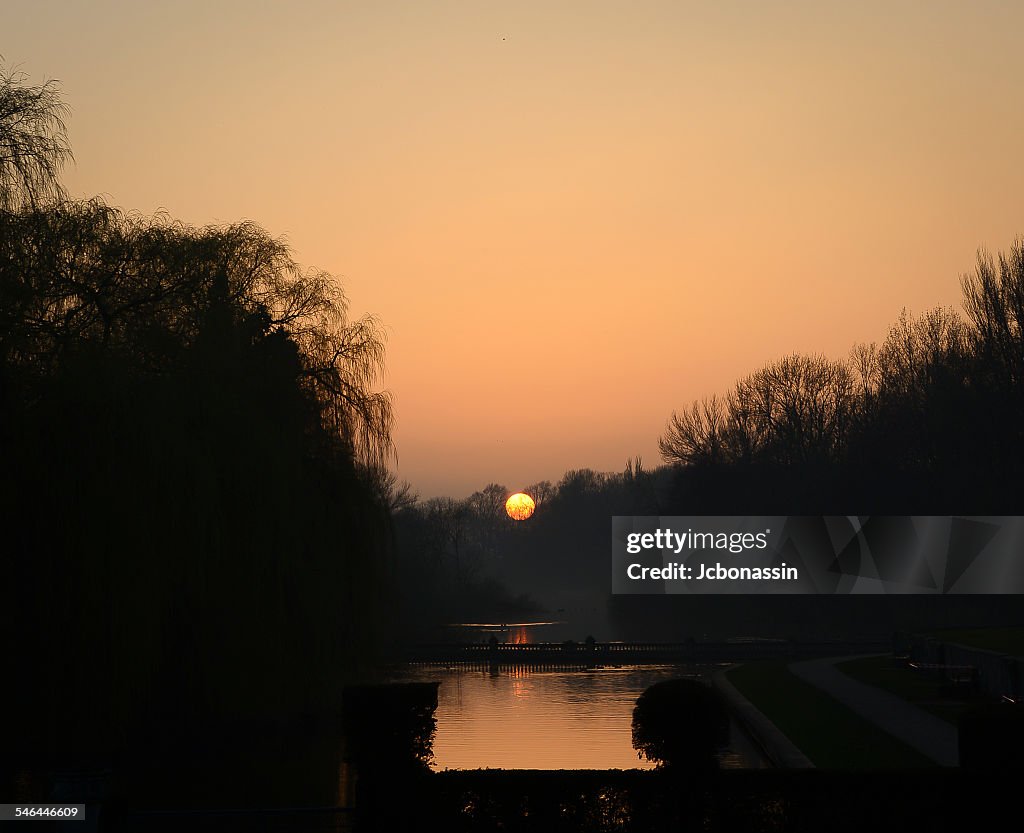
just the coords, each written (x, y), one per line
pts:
(1004, 640)
(826, 731)
(924, 691)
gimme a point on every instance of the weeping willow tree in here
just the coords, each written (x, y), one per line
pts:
(187, 417)
(33, 141)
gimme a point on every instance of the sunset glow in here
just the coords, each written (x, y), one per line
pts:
(633, 193)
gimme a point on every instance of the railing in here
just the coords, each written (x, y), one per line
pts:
(588, 654)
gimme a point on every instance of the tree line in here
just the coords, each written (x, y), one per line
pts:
(931, 420)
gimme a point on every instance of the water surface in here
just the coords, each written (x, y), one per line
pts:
(521, 718)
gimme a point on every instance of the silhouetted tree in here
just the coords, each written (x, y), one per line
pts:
(796, 410)
(84, 276)
(994, 300)
(384, 483)
(540, 492)
(919, 352)
(33, 141)
(697, 435)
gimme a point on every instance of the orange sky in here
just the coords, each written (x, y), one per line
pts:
(571, 217)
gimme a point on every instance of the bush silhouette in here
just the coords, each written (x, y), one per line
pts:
(680, 724)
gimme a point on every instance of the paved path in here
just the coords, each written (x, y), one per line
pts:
(925, 732)
(778, 748)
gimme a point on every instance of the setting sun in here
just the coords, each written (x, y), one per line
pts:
(520, 506)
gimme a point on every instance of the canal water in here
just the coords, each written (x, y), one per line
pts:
(519, 718)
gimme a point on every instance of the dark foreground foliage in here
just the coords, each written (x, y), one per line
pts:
(188, 426)
(727, 801)
(611, 801)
